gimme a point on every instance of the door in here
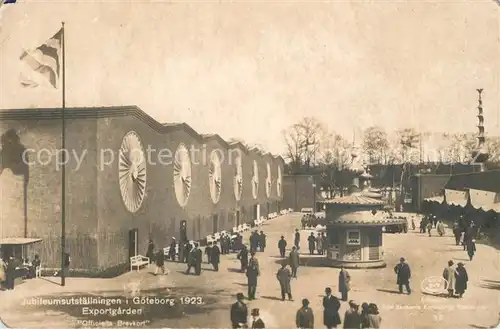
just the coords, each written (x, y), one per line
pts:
(215, 219)
(183, 231)
(237, 218)
(132, 242)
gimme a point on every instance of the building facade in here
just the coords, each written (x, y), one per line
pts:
(129, 179)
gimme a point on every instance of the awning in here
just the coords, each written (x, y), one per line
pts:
(456, 197)
(19, 241)
(438, 199)
(485, 200)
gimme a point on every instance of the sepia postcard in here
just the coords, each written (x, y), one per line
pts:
(250, 164)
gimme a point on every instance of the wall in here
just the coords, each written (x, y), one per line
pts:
(98, 222)
(426, 186)
(43, 197)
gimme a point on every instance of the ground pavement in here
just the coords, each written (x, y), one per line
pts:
(427, 257)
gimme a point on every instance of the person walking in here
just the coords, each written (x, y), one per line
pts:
(352, 318)
(257, 322)
(305, 316)
(239, 312)
(331, 306)
(374, 318)
(457, 232)
(312, 243)
(294, 261)
(296, 241)
(403, 275)
(284, 276)
(429, 228)
(243, 257)
(471, 248)
(282, 246)
(262, 241)
(160, 262)
(324, 243)
(440, 228)
(253, 272)
(413, 224)
(208, 252)
(172, 251)
(198, 259)
(150, 253)
(10, 274)
(191, 261)
(449, 276)
(215, 257)
(319, 244)
(344, 283)
(461, 279)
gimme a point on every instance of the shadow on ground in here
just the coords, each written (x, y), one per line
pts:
(490, 284)
(151, 307)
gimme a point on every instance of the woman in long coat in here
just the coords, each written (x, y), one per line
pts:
(331, 306)
(344, 283)
(461, 279)
(471, 248)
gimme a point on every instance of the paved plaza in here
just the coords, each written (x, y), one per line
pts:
(426, 256)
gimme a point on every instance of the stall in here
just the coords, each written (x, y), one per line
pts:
(355, 239)
(16, 247)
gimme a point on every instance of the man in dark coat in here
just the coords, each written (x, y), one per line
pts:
(262, 241)
(10, 273)
(471, 248)
(403, 276)
(254, 241)
(239, 312)
(284, 275)
(344, 283)
(150, 253)
(294, 261)
(305, 316)
(160, 262)
(172, 250)
(257, 322)
(331, 306)
(457, 232)
(325, 242)
(208, 252)
(215, 257)
(282, 246)
(187, 251)
(243, 257)
(191, 261)
(312, 243)
(296, 240)
(253, 272)
(198, 259)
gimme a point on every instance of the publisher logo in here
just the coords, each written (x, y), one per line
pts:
(433, 285)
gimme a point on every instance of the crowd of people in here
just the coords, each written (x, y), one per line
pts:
(12, 268)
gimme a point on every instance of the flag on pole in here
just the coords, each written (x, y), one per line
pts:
(46, 59)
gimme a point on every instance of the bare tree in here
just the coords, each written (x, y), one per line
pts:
(303, 142)
(375, 144)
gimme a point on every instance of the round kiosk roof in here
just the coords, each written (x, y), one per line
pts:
(368, 218)
(355, 199)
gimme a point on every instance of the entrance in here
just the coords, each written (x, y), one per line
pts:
(133, 246)
(215, 219)
(238, 218)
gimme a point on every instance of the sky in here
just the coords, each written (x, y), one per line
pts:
(251, 69)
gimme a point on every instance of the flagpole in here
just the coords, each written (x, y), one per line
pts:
(63, 168)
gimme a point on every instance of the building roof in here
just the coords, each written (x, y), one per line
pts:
(486, 181)
(19, 241)
(72, 113)
(378, 218)
(355, 199)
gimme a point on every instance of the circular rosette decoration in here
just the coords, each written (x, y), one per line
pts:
(255, 180)
(278, 182)
(182, 175)
(238, 178)
(215, 176)
(132, 171)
